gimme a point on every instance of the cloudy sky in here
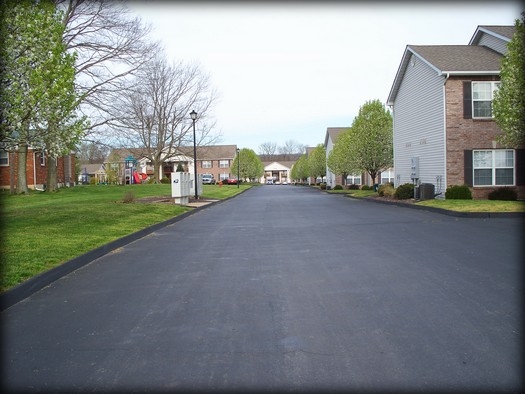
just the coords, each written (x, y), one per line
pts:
(288, 70)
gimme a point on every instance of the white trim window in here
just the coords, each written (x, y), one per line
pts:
(223, 176)
(206, 164)
(482, 96)
(353, 179)
(387, 176)
(493, 167)
(224, 163)
(4, 158)
(42, 159)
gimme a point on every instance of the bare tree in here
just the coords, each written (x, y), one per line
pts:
(268, 149)
(153, 114)
(110, 44)
(291, 147)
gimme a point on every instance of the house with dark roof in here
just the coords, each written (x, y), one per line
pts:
(213, 159)
(36, 169)
(444, 130)
(332, 133)
(277, 168)
(331, 137)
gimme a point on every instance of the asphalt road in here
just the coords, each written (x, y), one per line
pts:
(283, 288)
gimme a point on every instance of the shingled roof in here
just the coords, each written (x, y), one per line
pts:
(471, 59)
(212, 152)
(333, 133)
(503, 32)
(458, 58)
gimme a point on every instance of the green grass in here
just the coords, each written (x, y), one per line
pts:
(476, 205)
(42, 230)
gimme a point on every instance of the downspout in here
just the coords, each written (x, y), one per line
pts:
(34, 170)
(444, 180)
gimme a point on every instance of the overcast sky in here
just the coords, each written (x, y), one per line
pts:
(287, 71)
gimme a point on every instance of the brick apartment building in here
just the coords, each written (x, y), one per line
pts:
(444, 130)
(36, 169)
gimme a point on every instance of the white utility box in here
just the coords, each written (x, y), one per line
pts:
(181, 187)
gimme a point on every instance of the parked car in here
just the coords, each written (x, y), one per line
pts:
(208, 179)
(232, 181)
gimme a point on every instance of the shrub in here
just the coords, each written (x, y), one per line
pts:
(366, 187)
(458, 192)
(386, 190)
(165, 180)
(352, 187)
(129, 197)
(92, 181)
(322, 186)
(338, 187)
(504, 194)
(404, 191)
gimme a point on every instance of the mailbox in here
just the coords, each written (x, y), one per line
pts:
(180, 187)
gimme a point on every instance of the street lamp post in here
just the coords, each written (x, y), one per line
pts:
(238, 167)
(193, 115)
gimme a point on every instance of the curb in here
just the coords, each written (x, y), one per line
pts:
(38, 282)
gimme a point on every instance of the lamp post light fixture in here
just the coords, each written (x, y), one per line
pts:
(193, 115)
(238, 167)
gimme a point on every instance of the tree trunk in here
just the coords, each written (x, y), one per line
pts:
(12, 188)
(51, 181)
(21, 184)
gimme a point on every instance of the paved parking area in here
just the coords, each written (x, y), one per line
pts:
(283, 288)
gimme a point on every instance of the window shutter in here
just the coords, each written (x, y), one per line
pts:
(468, 166)
(467, 100)
(520, 167)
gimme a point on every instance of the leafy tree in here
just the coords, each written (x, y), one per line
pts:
(300, 169)
(37, 84)
(367, 145)
(338, 161)
(317, 162)
(509, 100)
(251, 167)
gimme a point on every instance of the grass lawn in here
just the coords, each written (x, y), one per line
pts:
(42, 230)
(452, 205)
(476, 205)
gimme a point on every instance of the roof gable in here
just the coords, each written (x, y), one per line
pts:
(274, 166)
(504, 33)
(468, 59)
(332, 133)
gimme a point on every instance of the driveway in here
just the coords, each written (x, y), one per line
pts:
(284, 288)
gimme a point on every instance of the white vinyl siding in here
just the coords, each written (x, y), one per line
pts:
(330, 176)
(493, 43)
(419, 124)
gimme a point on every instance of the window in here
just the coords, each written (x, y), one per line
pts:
(223, 176)
(206, 164)
(387, 176)
(482, 95)
(493, 167)
(224, 163)
(353, 179)
(42, 159)
(4, 158)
